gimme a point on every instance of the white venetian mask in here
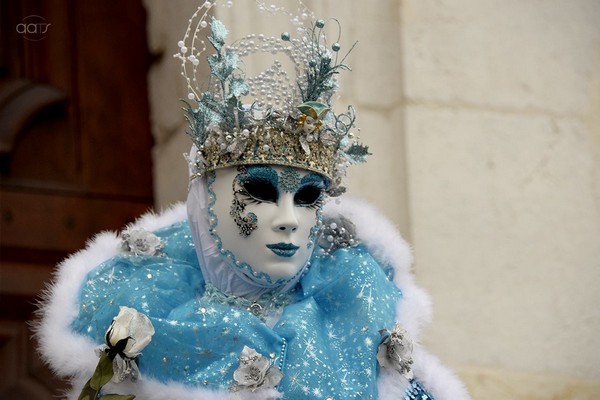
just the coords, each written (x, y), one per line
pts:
(266, 217)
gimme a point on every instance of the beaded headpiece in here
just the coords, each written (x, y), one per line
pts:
(268, 118)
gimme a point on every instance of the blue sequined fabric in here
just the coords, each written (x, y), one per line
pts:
(325, 342)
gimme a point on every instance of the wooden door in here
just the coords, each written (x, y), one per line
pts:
(75, 153)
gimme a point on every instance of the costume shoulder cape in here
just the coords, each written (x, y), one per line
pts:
(325, 341)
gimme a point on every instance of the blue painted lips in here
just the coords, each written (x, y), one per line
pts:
(283, 249)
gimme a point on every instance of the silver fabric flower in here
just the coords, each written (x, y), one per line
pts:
(395, 351)
(236, 143)
(141, 242)
(255, 372)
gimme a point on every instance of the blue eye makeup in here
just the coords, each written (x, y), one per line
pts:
(310, 191)
(260, 184)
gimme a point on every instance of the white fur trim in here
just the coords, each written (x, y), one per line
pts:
(442, 383)
(152, 221)
(391, 385)
(70, 354)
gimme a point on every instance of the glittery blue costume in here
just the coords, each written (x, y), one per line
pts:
(337, 327)
(325, 342)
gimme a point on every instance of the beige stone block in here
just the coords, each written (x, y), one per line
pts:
(166, 23)
(170, 170)
(532, 55)
(377, 59)
(381, 180)
(166, 85)
(165, 90)
(492, 384)
(505, 219)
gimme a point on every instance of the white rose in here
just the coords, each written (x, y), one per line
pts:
(133, 326)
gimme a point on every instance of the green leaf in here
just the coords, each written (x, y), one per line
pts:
(238, 87)
(103, 372)
(358, 153)
(117, 397)
(219, 34)
(87, 393)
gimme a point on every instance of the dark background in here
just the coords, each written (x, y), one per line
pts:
(75, 153)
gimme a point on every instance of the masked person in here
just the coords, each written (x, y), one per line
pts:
(267, 289)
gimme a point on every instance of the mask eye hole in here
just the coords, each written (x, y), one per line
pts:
(261, 190)
(308, 195)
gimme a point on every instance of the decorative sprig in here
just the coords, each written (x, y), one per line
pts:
(321, 67)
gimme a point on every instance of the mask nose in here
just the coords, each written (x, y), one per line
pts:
(286, 219)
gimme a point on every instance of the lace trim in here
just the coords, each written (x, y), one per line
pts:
(263, 306)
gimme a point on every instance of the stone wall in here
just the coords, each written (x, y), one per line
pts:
(484, 120)
(502, 107)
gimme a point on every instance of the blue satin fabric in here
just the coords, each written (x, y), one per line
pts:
(325, 342)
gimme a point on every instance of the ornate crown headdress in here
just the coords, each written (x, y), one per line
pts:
(268, 118)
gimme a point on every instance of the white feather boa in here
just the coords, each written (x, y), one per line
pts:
(72, 355)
